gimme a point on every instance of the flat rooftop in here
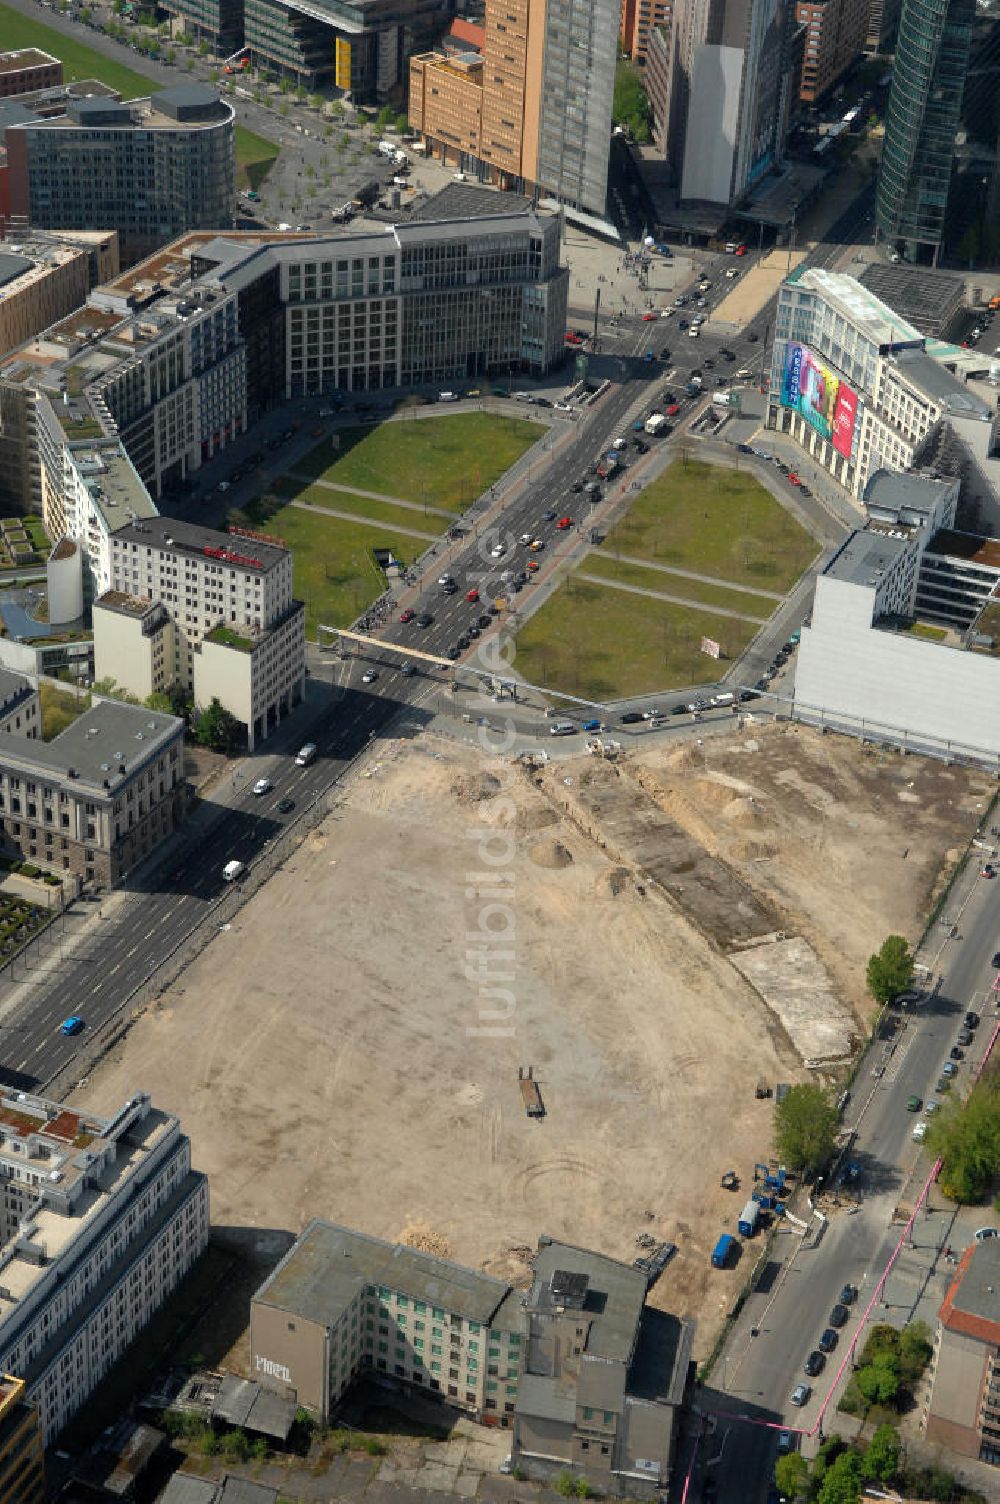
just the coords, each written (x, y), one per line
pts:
(28, 57)
(329, 1266)
(99, 749)
(75, 1146)
(972, 1304)
(614, 1300)
(202, 542)
(865, 557)
(114, 484)
(967, 546)
(469, 201)
(889, 490)
(882, 325)
(940, 384)
(926, 297)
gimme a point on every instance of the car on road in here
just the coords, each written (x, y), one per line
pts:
(913, 1104)
(408, 614)
(804, 489)
(263, 786)
(532, 565)
(957, 1053)
(424, 619)
(839, 1316)
(996, 959)
(631, 717)
(942, 1085)
(680, 300)
(549, 516)
(71, 1025)
(497, 552)
(487, 621)
(453, 653)
(564, 523)
(408, 670)
(848, 1295)
(682, 323)
(285, 806)
(577, 486)
(919, 1132)
(972, 1019)
(369, 676)
(983, 1234)
(648, 317)
(815, 1363)
(709, 364)
(793, 479)
(752, 338)
(965, 1036)
(741, 250)
(828, 1340)
(988, 871)
(445, 579)
(472, 596)
(800, 1395)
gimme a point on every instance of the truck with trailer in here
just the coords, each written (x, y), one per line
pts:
(656, 423)
(722, 1251)
(530, 1095)
(749, 1217)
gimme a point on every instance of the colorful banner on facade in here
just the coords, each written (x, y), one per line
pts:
(845, 417)
(828, 404)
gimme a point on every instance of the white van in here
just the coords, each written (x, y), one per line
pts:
(724, 699)
(744, 373)
(563, 728)
(232, 870)
(305, 755)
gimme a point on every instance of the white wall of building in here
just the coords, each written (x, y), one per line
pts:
(851, 672)
(713, 124)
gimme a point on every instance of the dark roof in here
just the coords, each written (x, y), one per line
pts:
(12, 267)
(972, 1304)
(925, 297)
(13, 113)
(659, 1369)
(613, 1301)
(189, 537)
(87, 749)
(914, 493)
(470, 201)
(242, 1402)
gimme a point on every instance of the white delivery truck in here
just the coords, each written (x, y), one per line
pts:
(232, 870)
(656, 423)
(720, 399)
(305, 755)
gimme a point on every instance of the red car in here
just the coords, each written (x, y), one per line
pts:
(564, 523)
(672, 410)
(472, 595)
(647, 317)
(572, 338)
(741, 250)
(793, 479)
(532, 565)
(408, 614)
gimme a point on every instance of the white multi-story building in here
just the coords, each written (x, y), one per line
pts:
(101, 1219)
(212, 612)
(862, 390)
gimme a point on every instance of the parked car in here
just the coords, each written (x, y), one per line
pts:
(839, 1316)
(407, 615)
(369, 676)
(972, 1020)
(828, 1340)
(800, 1395)
(815, 1363)
(631, 717)
(913, 1104)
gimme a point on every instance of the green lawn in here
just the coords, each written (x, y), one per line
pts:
(604, 644)
(254, 157)
(79, 61)
(362, 506)
(446, 462)
(333, 569)
(597, 562)
(718, 521)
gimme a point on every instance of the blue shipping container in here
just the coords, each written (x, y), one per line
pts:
(720, 1253)
(747, 1224)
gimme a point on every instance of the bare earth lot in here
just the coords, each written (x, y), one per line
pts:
(332, 1053)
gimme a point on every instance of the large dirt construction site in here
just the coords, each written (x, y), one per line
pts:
(651, 937)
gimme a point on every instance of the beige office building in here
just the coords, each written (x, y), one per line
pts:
(963, 1413)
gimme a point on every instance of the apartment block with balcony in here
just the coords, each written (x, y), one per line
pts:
(102, 1219)
(963, 1413)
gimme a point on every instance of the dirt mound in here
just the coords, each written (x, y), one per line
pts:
(529, 820)
(749, 851)
(613, 883)
(419, 1235)
(743, 812)
(474, 788)
(550, 854)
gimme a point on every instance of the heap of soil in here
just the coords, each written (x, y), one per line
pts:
(473, 789)
(419, 1235)
(613, 883)
(550, 854)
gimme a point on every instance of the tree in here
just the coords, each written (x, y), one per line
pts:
(890, 969)
(171, 55)
(791, 1474)
(881, 1460)
(631, 103)
(402, 124)
(878, 1382)
(966, 1136)
(217, 728)
(805, 1126)
(915, 1351)
(842, 1481)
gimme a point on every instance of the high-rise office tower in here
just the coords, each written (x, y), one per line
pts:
(925, 103)
(532, 110)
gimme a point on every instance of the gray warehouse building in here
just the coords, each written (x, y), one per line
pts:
(583, 1373)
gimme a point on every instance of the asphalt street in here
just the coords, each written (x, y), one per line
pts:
(780, 1324)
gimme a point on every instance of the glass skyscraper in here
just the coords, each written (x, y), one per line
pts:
(928, 79)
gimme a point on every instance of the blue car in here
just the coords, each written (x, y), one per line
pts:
(591, 725)
(72, 1025)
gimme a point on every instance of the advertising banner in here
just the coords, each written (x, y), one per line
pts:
(845, 416)
(828, 404)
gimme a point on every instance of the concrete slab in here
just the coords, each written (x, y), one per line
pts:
(753, 290)
(467, 1485)
(438, 1477)
(797, 987)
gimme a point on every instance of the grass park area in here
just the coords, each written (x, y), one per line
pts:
(716, 521)
(601, 643)
(78, 60)
(255, 156)
(605, 643)
(443, 462)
